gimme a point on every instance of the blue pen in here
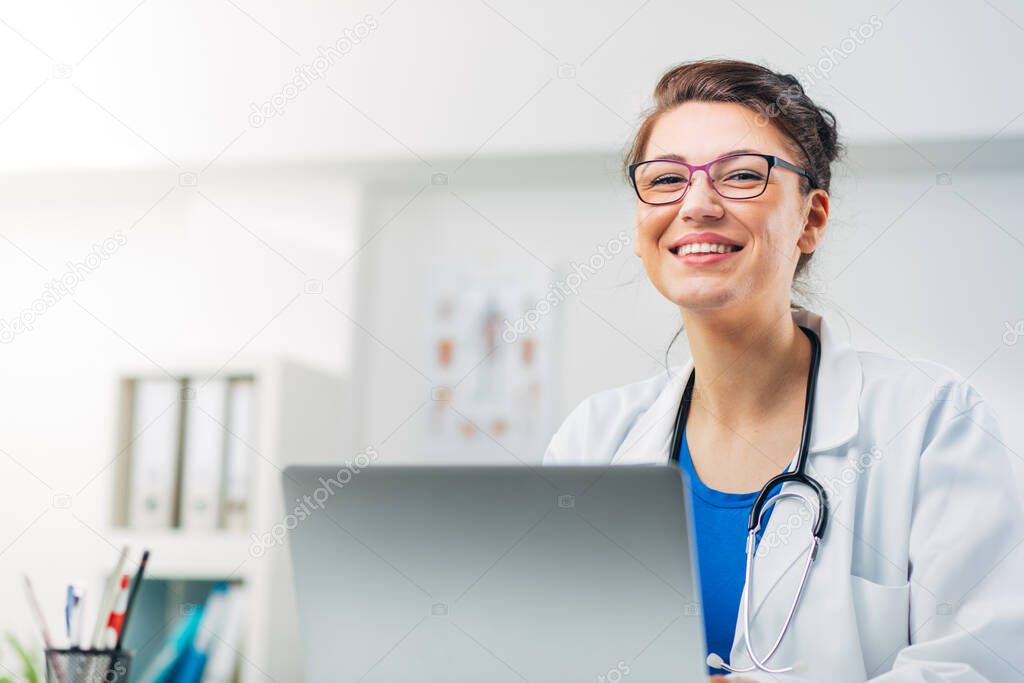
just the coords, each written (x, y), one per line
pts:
(68, 601)
(73, 614)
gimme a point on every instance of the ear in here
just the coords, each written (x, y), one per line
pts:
(815, 221)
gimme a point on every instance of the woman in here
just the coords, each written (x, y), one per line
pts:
(917, 574)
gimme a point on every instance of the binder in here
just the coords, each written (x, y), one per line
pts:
(195, 655)
(237, 455)
(156, 422)
(203, 460)
(222, 658)
(168, 659)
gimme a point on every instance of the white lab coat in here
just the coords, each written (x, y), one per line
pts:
(919, 574)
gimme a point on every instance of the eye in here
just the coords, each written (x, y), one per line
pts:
(668, 180)
(745, 175)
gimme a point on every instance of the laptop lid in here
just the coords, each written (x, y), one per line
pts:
(495, 573)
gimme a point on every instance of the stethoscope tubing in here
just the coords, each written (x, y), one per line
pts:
(762, 502)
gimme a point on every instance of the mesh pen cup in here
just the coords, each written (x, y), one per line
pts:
(87, 666)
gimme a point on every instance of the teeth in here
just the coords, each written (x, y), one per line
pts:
(705, 248)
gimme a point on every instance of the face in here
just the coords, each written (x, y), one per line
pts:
(773, 228)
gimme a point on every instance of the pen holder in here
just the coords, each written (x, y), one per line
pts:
(87, 666)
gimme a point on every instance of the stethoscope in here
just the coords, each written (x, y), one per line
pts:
(762, 503)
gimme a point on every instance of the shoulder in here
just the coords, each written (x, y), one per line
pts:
(914, 384)
(923, 373)
(931, 406)
(597, 425)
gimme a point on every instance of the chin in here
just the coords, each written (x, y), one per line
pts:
(684, 296)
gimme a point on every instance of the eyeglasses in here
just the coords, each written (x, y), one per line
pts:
(735, 176)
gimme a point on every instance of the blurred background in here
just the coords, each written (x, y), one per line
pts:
(238, 234)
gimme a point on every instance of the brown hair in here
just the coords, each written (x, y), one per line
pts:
(809, 130)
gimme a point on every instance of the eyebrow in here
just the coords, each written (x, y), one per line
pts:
(677, 157)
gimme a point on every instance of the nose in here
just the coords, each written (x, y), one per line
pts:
(700, 202)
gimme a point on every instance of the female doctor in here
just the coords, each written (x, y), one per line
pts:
(917, 572)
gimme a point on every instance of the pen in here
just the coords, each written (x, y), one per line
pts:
(73, 614)
(115, 623)
(37, 612)
(107, 602)
(131, 598)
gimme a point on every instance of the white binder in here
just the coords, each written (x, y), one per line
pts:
(154, 453)
(205, 422)
(238, 455)
(224, 651)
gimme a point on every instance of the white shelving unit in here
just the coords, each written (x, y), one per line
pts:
(301, 416)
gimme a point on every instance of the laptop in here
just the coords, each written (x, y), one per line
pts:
(495, 573)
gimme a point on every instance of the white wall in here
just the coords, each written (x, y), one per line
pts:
(162, 83)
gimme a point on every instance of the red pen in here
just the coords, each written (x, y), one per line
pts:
(116, 620)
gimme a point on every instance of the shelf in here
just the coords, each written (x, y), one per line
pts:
(190, 554)
(190, 557)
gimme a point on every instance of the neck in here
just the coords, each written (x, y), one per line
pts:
(747, 367)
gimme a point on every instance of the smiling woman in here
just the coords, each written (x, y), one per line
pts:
(747, 122)
(914, 552)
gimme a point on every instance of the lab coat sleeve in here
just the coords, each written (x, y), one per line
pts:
(966, 551)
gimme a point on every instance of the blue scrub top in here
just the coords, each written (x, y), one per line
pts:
(720, 527)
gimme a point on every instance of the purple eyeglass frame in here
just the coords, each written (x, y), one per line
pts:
(772, 162)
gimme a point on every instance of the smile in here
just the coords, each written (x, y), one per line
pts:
(704, 248)
(702, 254)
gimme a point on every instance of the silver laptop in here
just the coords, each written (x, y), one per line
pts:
(495, 573)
